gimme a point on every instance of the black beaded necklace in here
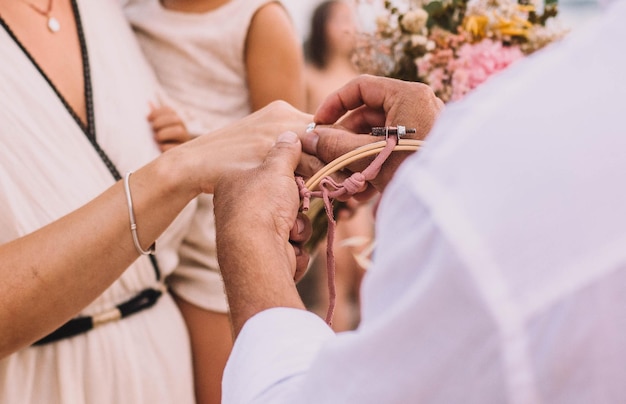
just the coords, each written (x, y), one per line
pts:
(89, 129)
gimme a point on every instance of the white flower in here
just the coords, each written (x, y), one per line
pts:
(414, 20)
(382, 23)
(419, 40)
(494, 10)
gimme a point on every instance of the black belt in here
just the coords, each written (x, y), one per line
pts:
(145, 299)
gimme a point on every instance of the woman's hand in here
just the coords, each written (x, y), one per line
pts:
(241, 145)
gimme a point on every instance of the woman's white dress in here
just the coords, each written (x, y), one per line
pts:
(48, 168)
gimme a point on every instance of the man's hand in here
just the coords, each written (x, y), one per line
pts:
(363, 103)
(260, 233)
(378, 101)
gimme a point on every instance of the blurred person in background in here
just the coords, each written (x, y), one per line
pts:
(329, 50)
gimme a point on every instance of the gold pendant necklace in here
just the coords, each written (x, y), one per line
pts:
(53, 24)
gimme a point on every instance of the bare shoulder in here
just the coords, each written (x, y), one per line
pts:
(271, 27)
(270, 14)
(273, 57)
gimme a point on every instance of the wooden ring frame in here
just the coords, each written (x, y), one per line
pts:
(357, 154)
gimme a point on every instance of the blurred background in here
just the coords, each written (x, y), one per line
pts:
(574, 13)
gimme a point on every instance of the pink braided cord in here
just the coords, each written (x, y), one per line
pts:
(330, 190)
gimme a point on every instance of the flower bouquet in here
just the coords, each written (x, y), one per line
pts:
(455, 45)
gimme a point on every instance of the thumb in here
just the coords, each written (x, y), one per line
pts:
(327, 143)
(284, 156)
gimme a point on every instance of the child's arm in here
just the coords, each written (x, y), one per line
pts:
(169, 129)
(274, 61)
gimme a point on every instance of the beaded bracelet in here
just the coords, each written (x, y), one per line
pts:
(131, 214)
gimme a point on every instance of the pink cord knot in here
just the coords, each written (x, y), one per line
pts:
(329, 190)
(354, 183)
(305, 194)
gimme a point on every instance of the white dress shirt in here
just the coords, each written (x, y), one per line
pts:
(500, 270)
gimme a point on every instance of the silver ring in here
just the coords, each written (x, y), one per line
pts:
(310, 127)
(401, 131)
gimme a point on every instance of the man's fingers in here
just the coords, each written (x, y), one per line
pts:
(301, 230)
(363, 119)
(299, 234)
(302, 262)
(363, 90)
(309, 165)
(285, 155)
(283, 159)
(409, 104)
(329, 143)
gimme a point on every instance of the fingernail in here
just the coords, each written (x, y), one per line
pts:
(309, 142)
(287, 137)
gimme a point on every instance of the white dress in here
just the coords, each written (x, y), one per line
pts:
(500, 269)
(199, 58)
(48, 168)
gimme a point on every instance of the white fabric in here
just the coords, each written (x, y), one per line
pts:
(500, 269)
(199, 58)
(47, 169)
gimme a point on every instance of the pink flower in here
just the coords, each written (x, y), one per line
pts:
(475, 63)
(460, 83)
(436, 78)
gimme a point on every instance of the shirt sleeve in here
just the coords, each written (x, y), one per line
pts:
(273, 351)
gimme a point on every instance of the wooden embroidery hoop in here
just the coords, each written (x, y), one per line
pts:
(359, 153)
(316, 212)
(317, 207)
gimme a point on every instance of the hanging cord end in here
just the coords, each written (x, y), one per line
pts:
(305, 194)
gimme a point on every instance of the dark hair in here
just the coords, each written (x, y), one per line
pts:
(316, 46)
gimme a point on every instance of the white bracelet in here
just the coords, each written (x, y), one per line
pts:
(131, 214)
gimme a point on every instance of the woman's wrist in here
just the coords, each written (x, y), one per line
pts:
(175, 174)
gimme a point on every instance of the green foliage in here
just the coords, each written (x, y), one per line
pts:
(448, 15)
